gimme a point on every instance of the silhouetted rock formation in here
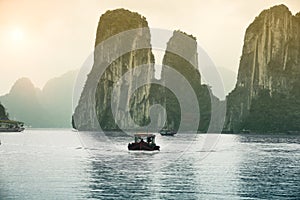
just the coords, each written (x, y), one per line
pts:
(181, 55)
(23, 105)
(47, 108)
(3, 114)
(266, 96)
(56, 99)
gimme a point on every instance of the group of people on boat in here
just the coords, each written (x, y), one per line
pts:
(140, 144)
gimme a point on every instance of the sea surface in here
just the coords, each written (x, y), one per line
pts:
(62, 164)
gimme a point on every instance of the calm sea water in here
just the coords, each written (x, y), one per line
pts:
(61, 164)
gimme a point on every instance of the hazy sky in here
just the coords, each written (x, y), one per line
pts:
(44, 39)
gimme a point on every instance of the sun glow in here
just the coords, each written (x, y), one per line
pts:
(17, 35)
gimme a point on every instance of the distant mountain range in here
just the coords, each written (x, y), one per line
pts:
(50, 107)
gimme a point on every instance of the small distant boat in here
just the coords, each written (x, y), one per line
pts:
(167, 132)
(140, 145)
(293, 132)
(11, 126)
(245, 131)
(74, 130)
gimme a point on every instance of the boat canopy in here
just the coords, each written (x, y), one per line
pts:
(11, 122)
(141, 135)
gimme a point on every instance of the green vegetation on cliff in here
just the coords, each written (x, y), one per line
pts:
(3, 114)
(110, 24)
(117, 21)
(276, 113)
(181, 55)
(266, 96)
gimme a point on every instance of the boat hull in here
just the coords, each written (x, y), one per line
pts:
(142, 147)
(167, 133)
(11, 126)
(12, 129)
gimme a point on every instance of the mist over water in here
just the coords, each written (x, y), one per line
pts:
(61, 164)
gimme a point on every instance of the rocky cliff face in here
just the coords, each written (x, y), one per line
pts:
(3, 114)
(268, 74)
(95, 110)
(181, 55)
(98, 99)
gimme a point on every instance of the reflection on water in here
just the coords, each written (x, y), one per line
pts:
(57, 164)
(130, 176)
(42, 165)
(271, 167)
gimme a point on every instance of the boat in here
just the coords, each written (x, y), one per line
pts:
(167, 132)
(11, 126)
(245, 131)
(140, 145)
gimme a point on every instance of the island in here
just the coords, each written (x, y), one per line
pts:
(7, 125)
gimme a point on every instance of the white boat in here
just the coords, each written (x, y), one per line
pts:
(11, 126)
(167, 132)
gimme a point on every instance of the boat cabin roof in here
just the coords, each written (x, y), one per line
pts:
(11, 122)
(141, 135)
